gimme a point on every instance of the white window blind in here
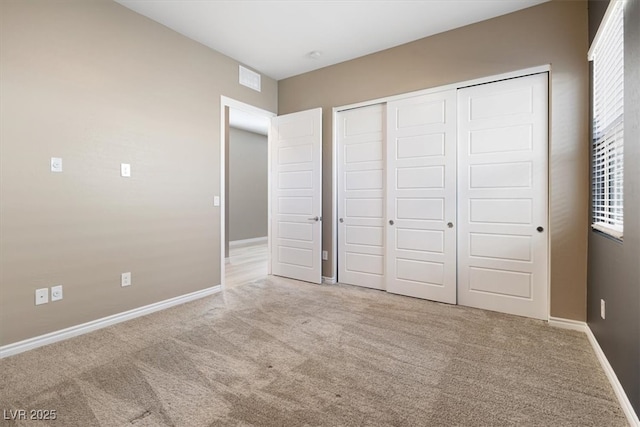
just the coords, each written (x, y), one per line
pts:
(607, 54)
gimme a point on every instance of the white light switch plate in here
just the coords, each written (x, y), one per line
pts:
(56, 164)
(125, 170)
(42, 296)
(125, 279)
(216, 200)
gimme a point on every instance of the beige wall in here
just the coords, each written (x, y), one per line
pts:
(552, 33)
(248, 177)
(98, 85)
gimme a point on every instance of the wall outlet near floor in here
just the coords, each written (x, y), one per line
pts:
(602, 308)
(42, 296)
(125, 279)
(325, 255)
(56, 293)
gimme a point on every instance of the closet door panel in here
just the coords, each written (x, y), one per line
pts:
(360, 158)
(421, 199)
(503, 238)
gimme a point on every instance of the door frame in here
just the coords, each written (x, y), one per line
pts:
(247, 108)
(483, 80)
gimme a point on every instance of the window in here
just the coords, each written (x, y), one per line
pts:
(607, 54)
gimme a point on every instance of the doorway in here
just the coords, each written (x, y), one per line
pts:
(294, 195)
(245, 192)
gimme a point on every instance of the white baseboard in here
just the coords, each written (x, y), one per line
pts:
(574, 325)
(623, 399)
(631, 415)
(247, 242)
(329, 280)
(50, 338)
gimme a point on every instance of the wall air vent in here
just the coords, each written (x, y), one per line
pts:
(249, 78)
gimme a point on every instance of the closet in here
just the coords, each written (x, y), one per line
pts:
(444, 195)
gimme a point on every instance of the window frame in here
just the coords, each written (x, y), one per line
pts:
(607, 123)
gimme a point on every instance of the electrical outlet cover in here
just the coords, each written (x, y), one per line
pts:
(56, 164)
(56, 293)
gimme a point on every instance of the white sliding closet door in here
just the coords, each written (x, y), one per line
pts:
(360, 159)
(502, 134)
(421, 197)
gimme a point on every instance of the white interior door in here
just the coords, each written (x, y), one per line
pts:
(502, 136)
(421, 197)
(360, 160)
(296, 195)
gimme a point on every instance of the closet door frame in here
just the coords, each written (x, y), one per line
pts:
(334, 163)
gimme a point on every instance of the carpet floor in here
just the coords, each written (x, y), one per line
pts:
(277, 352)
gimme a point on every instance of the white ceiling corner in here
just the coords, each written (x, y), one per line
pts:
(274, 37)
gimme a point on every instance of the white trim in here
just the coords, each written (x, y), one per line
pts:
(548, 225)
(248, 242)
(334, 193)
(269, 183)
(73, 331)
(574, 325)
(483, 80)
(329, 280)
(623, 399)
(605, 228)
(238, 105)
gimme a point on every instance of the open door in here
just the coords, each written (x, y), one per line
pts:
(296, 195)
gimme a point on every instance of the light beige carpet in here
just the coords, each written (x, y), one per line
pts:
(284, 353)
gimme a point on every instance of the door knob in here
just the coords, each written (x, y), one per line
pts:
(540, 229)
(390, 222)
(450, 224)
(315, 218)
(341, 220)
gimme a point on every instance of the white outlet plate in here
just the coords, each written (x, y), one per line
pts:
(42, 296)
(56, 293)
(125, 170)
(325, 255)
(216, 200)
(125, 279)
(602, 309)
(56, 164)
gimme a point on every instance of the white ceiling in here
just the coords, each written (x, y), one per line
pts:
(275, 37)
